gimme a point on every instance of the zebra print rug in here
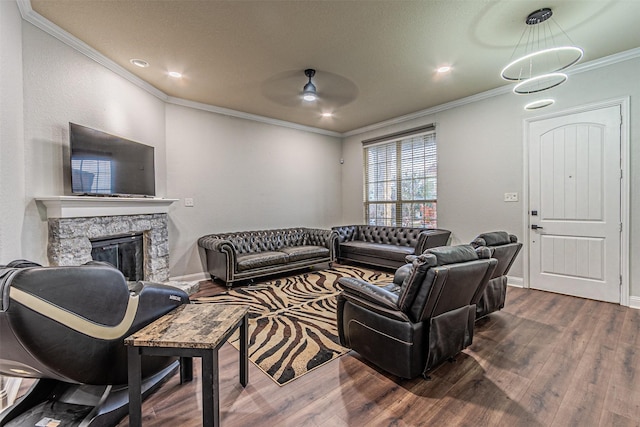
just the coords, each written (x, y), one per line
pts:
(292, 320)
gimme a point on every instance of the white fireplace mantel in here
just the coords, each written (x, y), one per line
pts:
(88, 206)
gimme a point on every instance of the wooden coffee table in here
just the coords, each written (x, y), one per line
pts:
(191, 330)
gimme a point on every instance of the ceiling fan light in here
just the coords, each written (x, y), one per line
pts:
(309, 97)
(309, 92)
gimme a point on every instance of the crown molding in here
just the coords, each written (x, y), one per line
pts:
(248, 116)
(433, 110)
(606, 61)
(29, 15)
(587, 66)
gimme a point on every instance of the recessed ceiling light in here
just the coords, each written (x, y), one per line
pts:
(175, 74)
(444, 69)
(327, 114)
(139, 63)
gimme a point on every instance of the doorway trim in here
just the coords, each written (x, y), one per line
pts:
(624, 190)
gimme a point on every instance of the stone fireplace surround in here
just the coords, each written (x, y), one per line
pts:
(69, 240)
(74, 220)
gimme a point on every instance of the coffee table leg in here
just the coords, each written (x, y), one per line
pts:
(135, 386)
(244, 352)
(210, 389)
(186, 369)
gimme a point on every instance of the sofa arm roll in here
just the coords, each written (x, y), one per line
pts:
(215, 243)
(346, 233)
(222, 256)
(321, 237)
(432, 238)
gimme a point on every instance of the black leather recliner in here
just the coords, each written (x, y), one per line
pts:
(65, 326)
(422, 319)
(505, 248)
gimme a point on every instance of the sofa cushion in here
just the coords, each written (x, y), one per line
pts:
(297, 253)
(261, 259)
(381, 250)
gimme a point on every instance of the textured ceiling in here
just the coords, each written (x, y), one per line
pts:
(375, 60)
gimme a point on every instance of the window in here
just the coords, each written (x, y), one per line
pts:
(401, 181)
(94, 176)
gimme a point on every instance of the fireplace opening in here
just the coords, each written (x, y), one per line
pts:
(125, 252)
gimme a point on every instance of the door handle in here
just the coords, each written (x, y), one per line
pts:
(535, 227)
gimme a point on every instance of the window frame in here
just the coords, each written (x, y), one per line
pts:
(397, 219)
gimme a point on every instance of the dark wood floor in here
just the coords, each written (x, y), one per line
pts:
(545, 360)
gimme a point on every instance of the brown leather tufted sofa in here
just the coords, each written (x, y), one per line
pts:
(249, 254)
(386, 246)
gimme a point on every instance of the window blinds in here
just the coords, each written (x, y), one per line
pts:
(401, 181)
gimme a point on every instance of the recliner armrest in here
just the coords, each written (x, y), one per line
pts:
(367, 291)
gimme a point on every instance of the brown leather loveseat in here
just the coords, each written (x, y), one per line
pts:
(386, 246)
(248, 254)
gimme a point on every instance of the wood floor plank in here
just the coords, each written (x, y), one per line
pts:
(630, 333)
(544, 396)
(623, 401)
(544, 360)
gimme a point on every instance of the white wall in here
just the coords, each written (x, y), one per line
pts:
(11, 132)
(244, 175)
(278, 177)
(480, 157)
(60, 86)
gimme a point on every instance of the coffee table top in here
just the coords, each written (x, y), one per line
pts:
(201, 326)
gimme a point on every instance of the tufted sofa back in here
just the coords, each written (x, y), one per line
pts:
(265, 240)
(399, 236)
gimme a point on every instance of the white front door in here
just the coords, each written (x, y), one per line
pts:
(574, 202)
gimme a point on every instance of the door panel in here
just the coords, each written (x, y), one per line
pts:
(574, 197)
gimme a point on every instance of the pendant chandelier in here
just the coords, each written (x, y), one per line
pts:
(542, 53)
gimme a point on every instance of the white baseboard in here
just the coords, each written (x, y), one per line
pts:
(190, 277)
(634, 302)
(517, 282)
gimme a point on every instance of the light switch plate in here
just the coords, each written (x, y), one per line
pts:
(510, 197)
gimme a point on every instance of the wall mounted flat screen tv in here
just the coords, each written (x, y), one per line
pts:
(107, 165)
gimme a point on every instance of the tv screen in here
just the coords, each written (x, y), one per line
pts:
(107, 165)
